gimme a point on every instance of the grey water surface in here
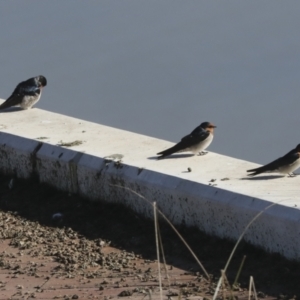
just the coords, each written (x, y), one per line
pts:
(160, 68)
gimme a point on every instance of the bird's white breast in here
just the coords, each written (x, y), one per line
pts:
(202, 145)
(290, 168)
(29, 101)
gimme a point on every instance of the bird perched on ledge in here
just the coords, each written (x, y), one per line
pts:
(285, 164)
(27, 93)
(197, 141)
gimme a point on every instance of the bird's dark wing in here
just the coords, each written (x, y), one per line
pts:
(177, 148)
(28, 90)
(196, 136)
(285, 160)
(24, 88)
(14, 99)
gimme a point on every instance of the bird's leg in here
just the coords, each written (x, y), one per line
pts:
(201, 153)
(291, 175)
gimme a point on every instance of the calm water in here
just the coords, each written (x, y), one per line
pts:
(160, 68)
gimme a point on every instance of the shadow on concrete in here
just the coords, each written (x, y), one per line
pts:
(265, 177)
(11, 109)
(173, 156)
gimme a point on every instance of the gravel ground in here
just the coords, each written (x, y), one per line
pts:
(95, 240)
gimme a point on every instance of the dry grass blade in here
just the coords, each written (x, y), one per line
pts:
(172, 226)
(218, 288)
(223, 283)
(239, 271)
(238, 242)
(244, 232)
(252, 287)
(163, 255)
(157, 249)
(229, 286)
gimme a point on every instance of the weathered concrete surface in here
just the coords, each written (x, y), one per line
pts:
(29, 145)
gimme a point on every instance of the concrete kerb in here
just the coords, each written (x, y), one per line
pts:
(217, 210)
(17, 155)
(58, 166)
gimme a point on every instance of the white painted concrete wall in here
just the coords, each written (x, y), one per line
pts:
(185, 197)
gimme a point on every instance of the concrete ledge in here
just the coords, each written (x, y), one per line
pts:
(17, 152)
(108, 157)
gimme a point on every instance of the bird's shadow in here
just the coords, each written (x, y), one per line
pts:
(266, 177)
(174, 156)
(11, 109)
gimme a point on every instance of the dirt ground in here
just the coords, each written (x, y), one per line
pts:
(59, 246)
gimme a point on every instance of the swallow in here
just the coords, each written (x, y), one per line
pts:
(26, 94)
(197, 141)
(284, 165)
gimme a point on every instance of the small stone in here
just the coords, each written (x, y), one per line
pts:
(261, 295)
(125, 293)
(225, 178)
